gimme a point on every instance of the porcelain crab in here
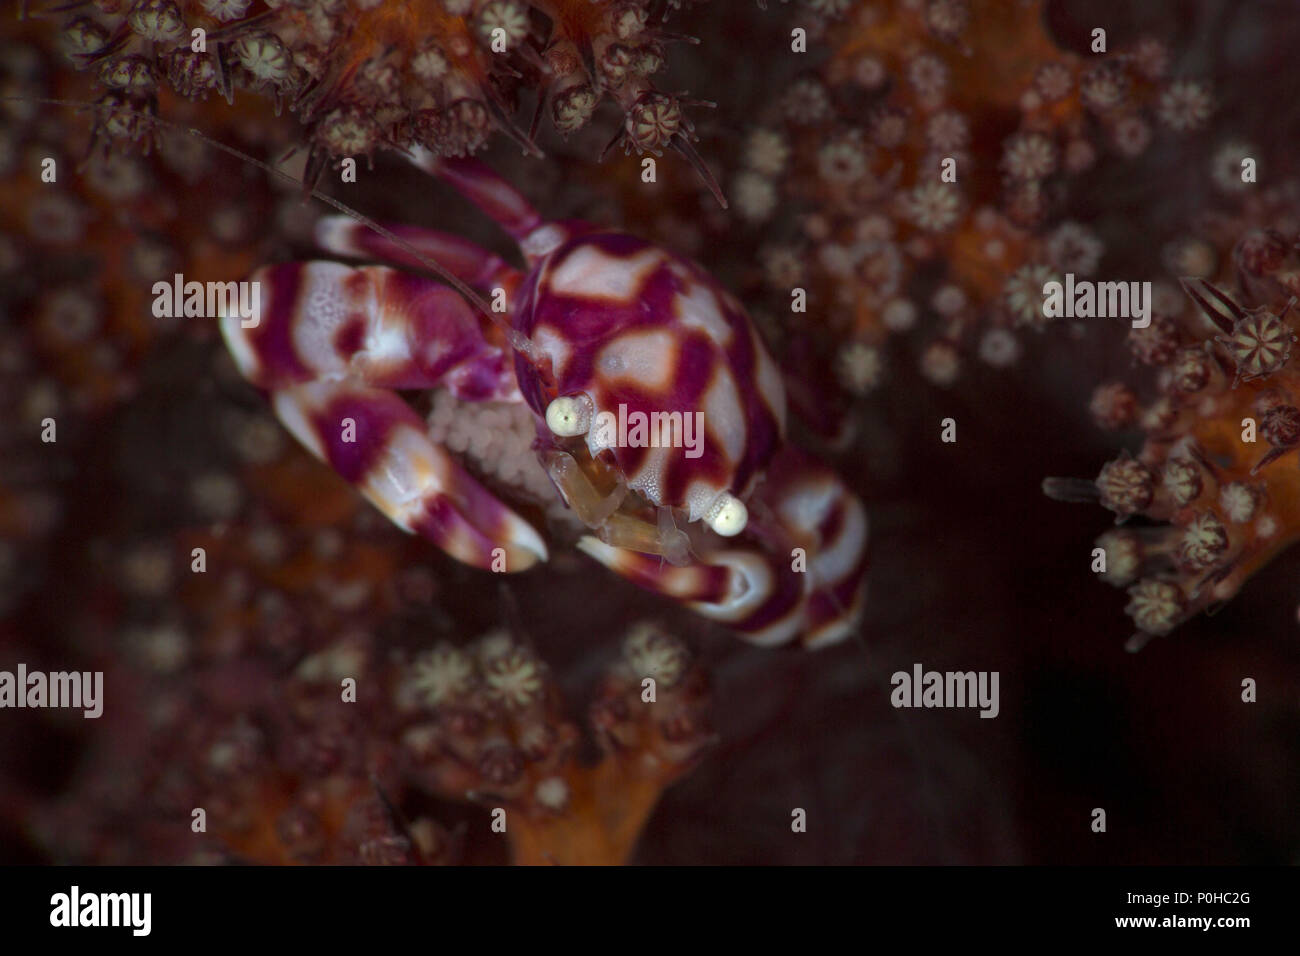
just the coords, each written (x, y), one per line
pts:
(599, 327)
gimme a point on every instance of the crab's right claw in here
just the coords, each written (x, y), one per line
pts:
(374, 440)
(799, 573)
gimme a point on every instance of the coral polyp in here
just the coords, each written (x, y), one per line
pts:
(1213, 470)
(444, 75)
(938, 143)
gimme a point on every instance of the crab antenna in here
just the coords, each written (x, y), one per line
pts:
(504, 204)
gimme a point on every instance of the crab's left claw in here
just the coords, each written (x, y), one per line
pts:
(801, 576)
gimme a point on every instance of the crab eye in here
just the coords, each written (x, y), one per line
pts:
(569, 415)
(728, 516)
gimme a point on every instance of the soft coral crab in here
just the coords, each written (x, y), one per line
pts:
(600, 323)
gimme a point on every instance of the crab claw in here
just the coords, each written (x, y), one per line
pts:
(801, 577)
(744, 590)
(375, 441)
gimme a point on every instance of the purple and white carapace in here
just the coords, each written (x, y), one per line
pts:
(601, 328)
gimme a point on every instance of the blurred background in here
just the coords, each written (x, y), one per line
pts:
(162, 448)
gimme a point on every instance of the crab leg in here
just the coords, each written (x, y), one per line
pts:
(496, 197)
(759, 591)
(474, 265)
(485, 189)
(820, 514)
(331, 342)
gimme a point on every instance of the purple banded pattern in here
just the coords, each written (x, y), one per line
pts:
(330, 345)
(824, 517)
(757, 591)
(746, 590)
(375, 441)
(373, 325)
(485, 189)
(472, 264)
(633, 327)
(642, 331)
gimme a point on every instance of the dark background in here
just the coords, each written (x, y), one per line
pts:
(973, 569)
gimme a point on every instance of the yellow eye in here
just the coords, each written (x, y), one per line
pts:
(728, 516)
(569, 415)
